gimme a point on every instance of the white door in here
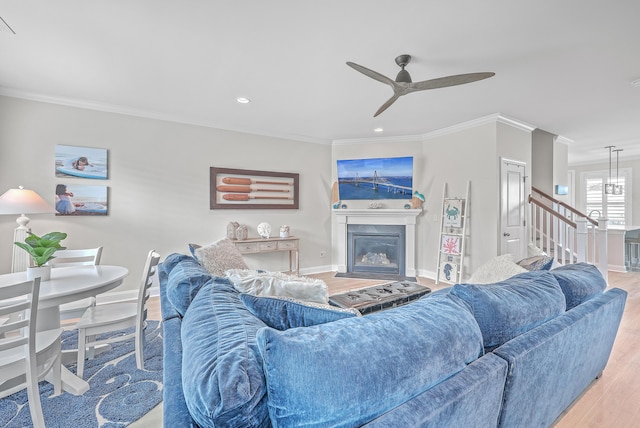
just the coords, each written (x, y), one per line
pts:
(513, 209)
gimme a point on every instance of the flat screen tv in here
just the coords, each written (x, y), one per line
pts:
(376, 178)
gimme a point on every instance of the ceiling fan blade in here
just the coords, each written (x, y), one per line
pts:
(373, 74)
(443, 82)
(387, 104)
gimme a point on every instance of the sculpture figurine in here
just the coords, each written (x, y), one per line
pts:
(232, 227)
(242, 233)
(417, 200)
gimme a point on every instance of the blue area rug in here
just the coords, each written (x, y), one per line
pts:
(119, 393)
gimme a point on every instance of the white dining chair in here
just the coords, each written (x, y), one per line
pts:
(27, 356)
(116, 316)
(76, 257)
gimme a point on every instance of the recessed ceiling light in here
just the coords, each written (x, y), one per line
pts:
(378, 130)
(243, 100)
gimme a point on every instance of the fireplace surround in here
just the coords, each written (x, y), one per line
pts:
(398, 217)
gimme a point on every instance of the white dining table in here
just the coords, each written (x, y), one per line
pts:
(68, 284)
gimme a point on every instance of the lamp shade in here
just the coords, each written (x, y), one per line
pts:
(23, 201)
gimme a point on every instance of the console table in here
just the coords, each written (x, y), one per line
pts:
(269, 245)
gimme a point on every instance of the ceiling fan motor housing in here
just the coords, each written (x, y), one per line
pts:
(403, 75)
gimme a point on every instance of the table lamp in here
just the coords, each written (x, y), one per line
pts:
(22, 201)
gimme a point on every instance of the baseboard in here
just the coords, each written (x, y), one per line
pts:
(317, 269)
(617, 268)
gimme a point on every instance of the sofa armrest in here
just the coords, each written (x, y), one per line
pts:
(175, 412)
(552, 364)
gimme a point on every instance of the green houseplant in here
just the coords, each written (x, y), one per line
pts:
(41, 249)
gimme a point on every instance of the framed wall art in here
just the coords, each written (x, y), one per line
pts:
(81, 162)
(80, 200)
(450, 244)
(250, 189)
(452, 216)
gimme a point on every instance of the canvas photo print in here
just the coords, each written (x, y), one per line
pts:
(81, 162)
(376, 178)
(81, 200)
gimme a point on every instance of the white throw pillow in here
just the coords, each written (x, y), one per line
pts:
(219, 256)
(497, 269)
(276, 284)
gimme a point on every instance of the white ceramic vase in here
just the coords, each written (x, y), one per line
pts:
(44, 272)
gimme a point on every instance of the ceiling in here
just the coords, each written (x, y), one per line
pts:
(563, 66)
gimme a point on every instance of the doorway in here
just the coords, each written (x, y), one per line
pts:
(513, 204)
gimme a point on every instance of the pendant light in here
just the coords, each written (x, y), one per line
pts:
(617, 189)
(608, 187)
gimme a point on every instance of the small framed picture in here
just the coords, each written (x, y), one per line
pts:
(81, 162)
(81, 200)
(452, 213)
(249, 189)
(450, 244)
(449, 271)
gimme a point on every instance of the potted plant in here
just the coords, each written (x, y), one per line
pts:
(41, 249)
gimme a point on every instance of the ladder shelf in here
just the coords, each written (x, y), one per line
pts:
(453, 235)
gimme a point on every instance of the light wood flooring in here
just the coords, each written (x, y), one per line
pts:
(611, 401)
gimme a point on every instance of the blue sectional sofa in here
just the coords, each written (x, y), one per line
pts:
(511, 354)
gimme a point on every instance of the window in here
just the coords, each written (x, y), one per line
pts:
(617, 208)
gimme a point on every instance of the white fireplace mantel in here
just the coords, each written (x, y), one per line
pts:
(404, 217)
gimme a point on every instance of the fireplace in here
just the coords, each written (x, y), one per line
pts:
(401, 219)
(376, 249)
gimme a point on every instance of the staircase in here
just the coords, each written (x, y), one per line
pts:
(565, 233)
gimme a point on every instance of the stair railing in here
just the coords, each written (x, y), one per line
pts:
(567, 234)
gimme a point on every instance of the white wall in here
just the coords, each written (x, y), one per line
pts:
(158, 183)
(560, 169)
(542, 166)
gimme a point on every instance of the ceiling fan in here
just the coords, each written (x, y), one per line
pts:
(403, 84)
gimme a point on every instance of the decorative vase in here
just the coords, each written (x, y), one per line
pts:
(44, 272)
(284, 231)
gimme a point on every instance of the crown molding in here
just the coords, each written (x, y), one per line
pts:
(563, 140)
(147, 114)
(129, 111)
(493, 118)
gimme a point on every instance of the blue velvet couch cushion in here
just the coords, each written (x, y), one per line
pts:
(579, 282)
(222, 376)
(347, 372)
(283, 313)
(509, 308)
(184, 277)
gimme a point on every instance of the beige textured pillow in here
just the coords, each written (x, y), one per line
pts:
(220, 256)
(496, 269)
(277, 284)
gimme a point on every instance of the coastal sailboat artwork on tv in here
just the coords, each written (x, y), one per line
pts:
(376, 178)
